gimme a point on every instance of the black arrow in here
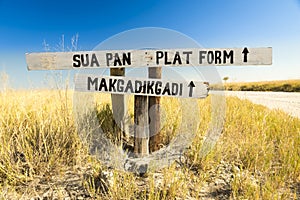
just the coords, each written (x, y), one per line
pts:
(245, 52)
(191, 85)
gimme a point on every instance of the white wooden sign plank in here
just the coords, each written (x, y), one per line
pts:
(150, 58)
(140, 86)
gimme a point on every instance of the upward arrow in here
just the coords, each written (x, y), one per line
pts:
(191, 86)
(245, 52)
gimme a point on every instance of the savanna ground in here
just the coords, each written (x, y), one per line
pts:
(42, 157)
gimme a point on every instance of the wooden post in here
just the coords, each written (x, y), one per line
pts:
(141, 131)
(154, 115)
(119, 104)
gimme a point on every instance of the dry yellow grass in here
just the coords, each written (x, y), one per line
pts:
(38, 139)
(284, 86)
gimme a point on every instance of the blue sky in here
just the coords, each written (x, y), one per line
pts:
(24, 25)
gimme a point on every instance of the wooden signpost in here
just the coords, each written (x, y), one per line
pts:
(148, 91)
(140, 86)
(149, 58)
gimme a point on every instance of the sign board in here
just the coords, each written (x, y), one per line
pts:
(149, 58)
(140, 86)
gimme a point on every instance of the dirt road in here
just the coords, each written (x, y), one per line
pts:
(289, 102)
